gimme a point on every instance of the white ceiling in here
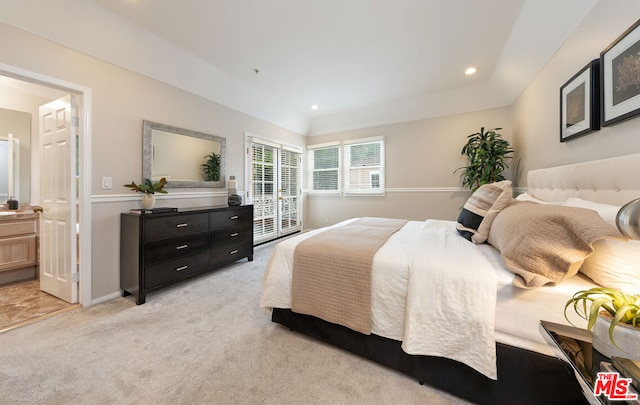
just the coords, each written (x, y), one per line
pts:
(364, 62)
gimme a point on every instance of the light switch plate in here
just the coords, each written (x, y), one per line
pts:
(106, 183)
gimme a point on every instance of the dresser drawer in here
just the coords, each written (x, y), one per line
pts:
(175, 225)
(231, 218)
(230, 252)
(171, 270)
(18, 227)
(162, 249)
(230, 235)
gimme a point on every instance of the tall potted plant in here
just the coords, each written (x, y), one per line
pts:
(211, 167)
(487, 156)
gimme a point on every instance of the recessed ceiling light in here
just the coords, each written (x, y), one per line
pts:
(471, 70)
(314, 107)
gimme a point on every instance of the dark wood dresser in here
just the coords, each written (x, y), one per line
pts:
(161, 248)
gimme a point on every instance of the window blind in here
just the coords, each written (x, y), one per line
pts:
(324, 168)
(263, 190)
(290, 191)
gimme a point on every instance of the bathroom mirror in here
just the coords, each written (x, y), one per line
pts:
(15, 155)
(178, 155)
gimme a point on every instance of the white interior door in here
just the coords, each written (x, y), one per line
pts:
(58, 268)
(274, 189)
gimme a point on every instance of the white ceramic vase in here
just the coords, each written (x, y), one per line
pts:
(627, 338)
(148, 201)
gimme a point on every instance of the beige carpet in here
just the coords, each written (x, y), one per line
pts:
(203, 341)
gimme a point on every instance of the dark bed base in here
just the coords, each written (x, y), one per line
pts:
(524, 377)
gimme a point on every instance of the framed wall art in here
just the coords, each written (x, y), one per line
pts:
(579, 103)
(620, 77)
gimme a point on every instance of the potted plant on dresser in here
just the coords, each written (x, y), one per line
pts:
(613, 317)
(149, 189)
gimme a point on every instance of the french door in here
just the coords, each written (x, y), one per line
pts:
(275, 189)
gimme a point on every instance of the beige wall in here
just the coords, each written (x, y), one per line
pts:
(537, 111)
(121, 100)
(421, 157)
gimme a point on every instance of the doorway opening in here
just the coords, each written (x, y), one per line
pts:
(15, 82)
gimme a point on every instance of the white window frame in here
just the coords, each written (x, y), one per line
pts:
(343, 168)
(310, 170)
(380, 168)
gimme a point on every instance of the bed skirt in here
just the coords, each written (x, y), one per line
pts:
(524, 377)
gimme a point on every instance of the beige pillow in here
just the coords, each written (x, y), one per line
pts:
(474, 221)
(546, 243)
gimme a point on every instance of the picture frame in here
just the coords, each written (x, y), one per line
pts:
(580, 102)
(619, 62)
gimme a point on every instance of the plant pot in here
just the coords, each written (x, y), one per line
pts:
(148, 201)
(626, 337)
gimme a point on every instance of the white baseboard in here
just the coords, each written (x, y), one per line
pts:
(106, 298)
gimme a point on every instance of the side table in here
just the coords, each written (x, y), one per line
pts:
(573, 347)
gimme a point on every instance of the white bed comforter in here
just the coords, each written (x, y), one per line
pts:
(431, 289)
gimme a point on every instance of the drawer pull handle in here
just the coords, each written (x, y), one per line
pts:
(181, 225)
(233, 252)
(182, 247)
(233, 217)
(233, 235)
(181, 268)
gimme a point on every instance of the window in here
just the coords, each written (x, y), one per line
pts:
(374, 180)
(363, 164)
(324, 168)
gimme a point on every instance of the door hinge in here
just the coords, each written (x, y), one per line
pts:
(75, 278)
(75, 121)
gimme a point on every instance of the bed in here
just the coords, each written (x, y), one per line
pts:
(523, 364)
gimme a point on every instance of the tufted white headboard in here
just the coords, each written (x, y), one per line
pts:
(609, 181)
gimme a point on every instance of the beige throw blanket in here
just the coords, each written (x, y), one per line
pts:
(332, 272)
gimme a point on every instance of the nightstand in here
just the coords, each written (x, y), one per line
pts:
(573, 347)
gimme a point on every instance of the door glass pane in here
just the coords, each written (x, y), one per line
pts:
(290, 191)
(263, 192)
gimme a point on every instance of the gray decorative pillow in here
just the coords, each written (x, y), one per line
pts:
(474, 221)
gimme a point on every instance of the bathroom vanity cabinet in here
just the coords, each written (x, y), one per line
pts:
(160, 249)
(18, 246)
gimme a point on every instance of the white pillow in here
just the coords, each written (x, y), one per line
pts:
(614, 264)
(529, 197)
(608, 212)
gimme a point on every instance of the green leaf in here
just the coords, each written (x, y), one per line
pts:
(148, 187)
(623, 307)
(486, 154)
